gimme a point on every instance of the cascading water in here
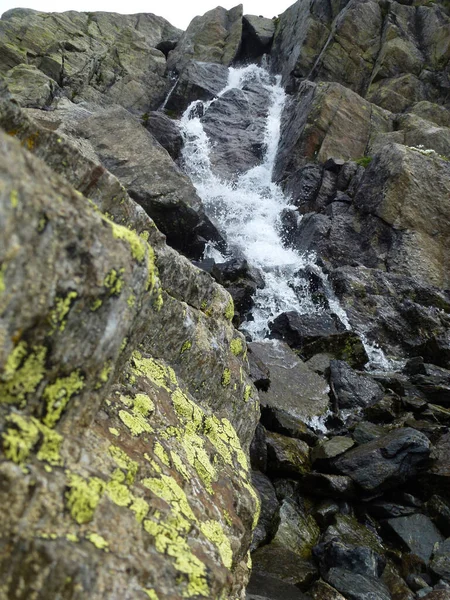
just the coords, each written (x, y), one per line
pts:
(248, 209)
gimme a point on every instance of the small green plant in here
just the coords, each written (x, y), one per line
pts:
(364, 161)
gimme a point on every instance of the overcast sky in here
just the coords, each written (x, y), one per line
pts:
(178, 12)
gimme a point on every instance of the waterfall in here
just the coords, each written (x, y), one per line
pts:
(247, 210)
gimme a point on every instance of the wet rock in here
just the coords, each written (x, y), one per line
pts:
(198, 81)
(304, 185)
(151, 177)
(440, 565)
(214, 37)
(416, 533)
(235, 126)
(357, 587)
(298, 330)
(259, 372)
(345, 346)
(353, 390)
(165, 131)
(365, 432)
(269, 517)
(303, 395)
(434, 383)
(286, 456)
(386, 462)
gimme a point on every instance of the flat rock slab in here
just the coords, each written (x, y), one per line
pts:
(265, 587)
(417, 533)
(294, 388)
(358, 587)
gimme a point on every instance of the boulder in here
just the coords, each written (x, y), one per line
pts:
(416, 533)
(165, 131)
(297, 530)
(266, 587)
(269, 517)
(30, 87)
(257, 36)
(386, 462)
(214, 37)
(440, 565)
(286, 456)
(303, 395)
(299, 330)
(283, 565)
(353, 390)
(358, 587)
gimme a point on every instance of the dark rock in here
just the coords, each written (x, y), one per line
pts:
(325, 512)
(303, 186)
(439, 510)
(165, 131)
(331, 448)
(434, 383)
(440, 467)
(386, 462)
(345, 346)
(416, 533)
(384, 509)
(365, 432)
(269, 516)
(440, 565)
(198, 81)
(297, 531)
(397, 586)
(257, 36)
(303, 395)
(280, 421)
(285, 565)
(341, 555)
(437, 595)
(266, 587)
(298, 330)
(357, 587)
(259, 372)
(351, 389)
(286, 456)
(385, 410)
(323, 591)
(258, 449)
(329, 486)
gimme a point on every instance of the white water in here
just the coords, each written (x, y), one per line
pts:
(248, 210)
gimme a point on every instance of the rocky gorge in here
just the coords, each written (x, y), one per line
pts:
(225, 305)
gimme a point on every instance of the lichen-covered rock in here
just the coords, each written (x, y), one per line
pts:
(103, 58)
(97, 418)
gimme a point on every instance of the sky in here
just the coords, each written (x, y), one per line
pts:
(178, 12)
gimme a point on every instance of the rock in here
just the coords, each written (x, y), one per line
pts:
(198, 81)
(214, 37)
(366, 432)
(95, 57)
(353, 390)
(259, 372)
(257, 36)
(284, 565)
(258, 449)
(357, 587)
(356, 559)
(416, 533)
(439, 510)
(440, 468)
(396, 585)
(265, 587)
(269, 517)
(304, 395)
(330, 448)
(297, 530)
(431, 112)
(286, 456)
(298, 330)
(434, 383)
(79, 294)
(414, 176)
(327, 120)
(345, 346)
(325, 512)
(279, 421)
(235, 125)
(323, 591)
(151, 178)
(440, 565)
(329, 486)
(165, 131)
(436, 595)
(386, 462)
(30, 87)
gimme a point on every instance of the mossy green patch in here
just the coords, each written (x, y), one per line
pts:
(96, 304)
(187, 345)
(57, 395)
(23, 371)
(2, 278)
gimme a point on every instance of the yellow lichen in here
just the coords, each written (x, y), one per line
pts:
(214, 532)
(14, 198)
(135, 243)
(59, 313)
(168, 489)
(148, 367)
(160, 453)
(151, 594)
(25, 433)
(23, 372)
(236, 346)
(226, 377)
(247, 393)
(136, 423)
(186, 408)
(187, 345)
(72, 537)
(104, 375)
(98, 541)
(131, 300)
(179, 465)
(2, 279)
(96, 304)
(123, 461)
(114, 431)
(140, 508)
(114, 281)
(229, 310)
(118, 493)
(57, 395)
(83, 496)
